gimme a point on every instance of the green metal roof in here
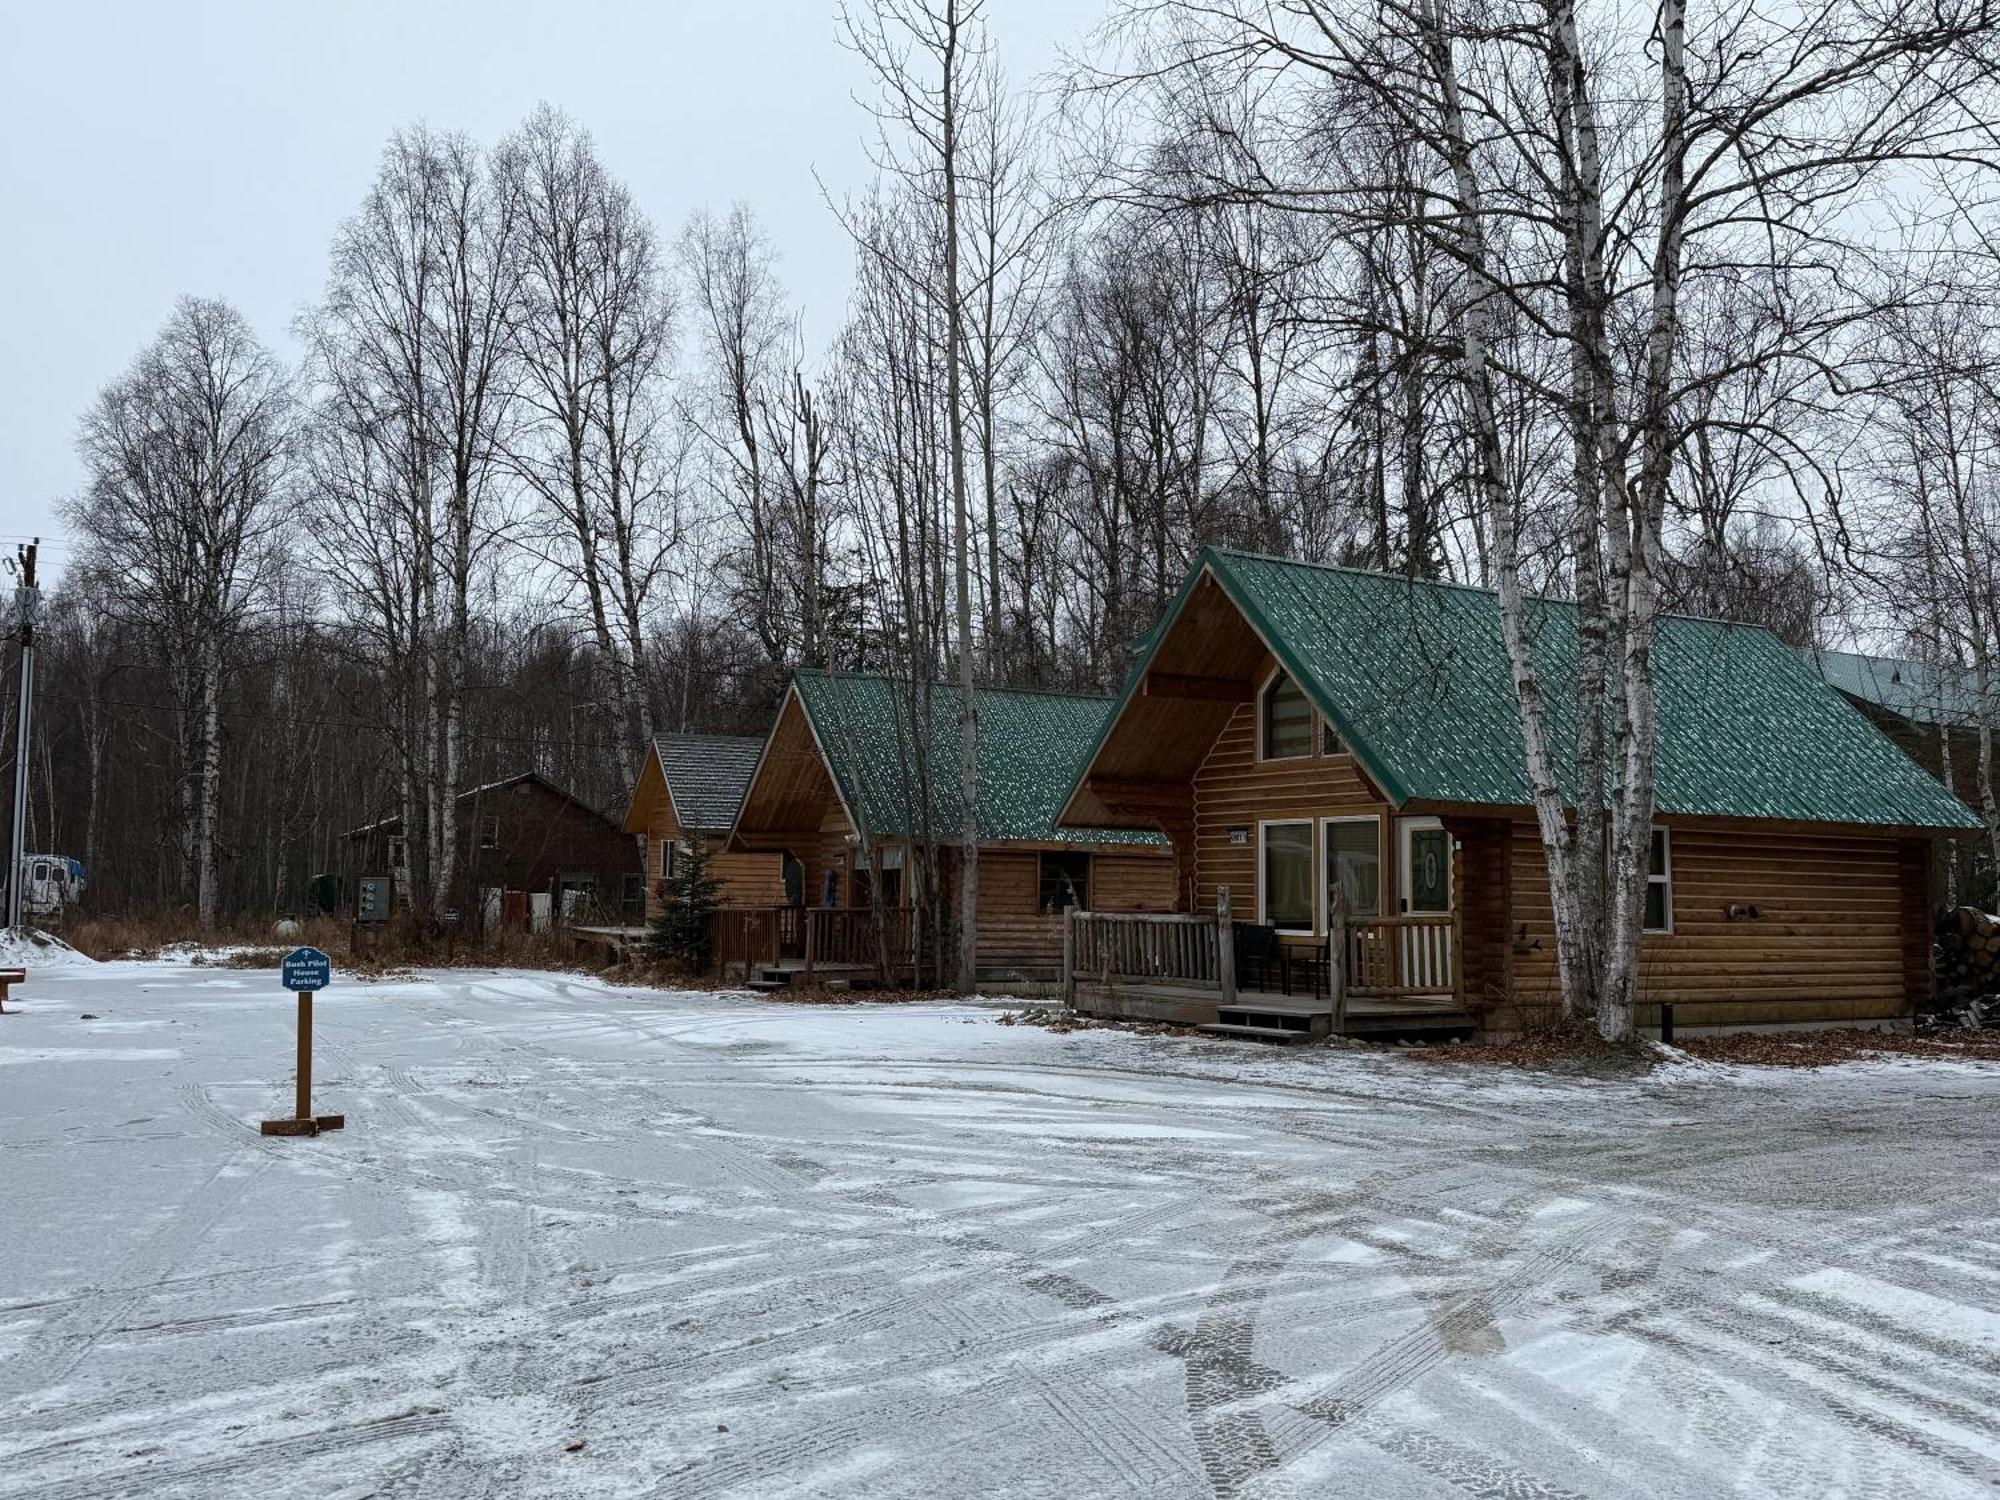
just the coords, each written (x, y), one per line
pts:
(1909, 689)
(1031, 747)
(1415, 676)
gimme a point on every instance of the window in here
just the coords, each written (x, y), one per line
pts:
(1285, 894)
(1065, 880)
(1660, 885)
(671, 851)
(1288, 720)
(489, 833)
(399, 853)
(632, 902)
(1354, 860)
(1330, 741)
(889, 869)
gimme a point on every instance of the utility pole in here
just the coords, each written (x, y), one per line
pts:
(27, 602)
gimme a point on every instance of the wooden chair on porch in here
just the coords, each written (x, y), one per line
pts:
(1265, 962)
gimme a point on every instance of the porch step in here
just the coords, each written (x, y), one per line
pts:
(1249, 1019)
(1280, 1034)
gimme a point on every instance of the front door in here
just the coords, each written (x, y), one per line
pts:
(1424, 867)
(1423, 874)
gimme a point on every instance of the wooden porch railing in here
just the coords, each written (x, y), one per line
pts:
(1380, 957)
(745, 938)
(1170, 948)
(852, 935)
(1401, 956)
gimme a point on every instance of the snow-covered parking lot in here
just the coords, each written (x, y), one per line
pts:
(579, 1240)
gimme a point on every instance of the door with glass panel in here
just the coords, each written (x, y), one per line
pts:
(1354, 869)
(1423, 878)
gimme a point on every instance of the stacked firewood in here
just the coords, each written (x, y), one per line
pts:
(1968, 963)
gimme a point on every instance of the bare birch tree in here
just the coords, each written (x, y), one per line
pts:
(924, 54)
(188, 458)
(592, 325)
(414, 372)
(1734, 153)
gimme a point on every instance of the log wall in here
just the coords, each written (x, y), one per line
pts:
(1839, 935)
(746, 879)
(1842, 934)
(1233, 789)
(1017, 938)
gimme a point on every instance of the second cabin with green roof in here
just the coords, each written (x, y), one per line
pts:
(860, 774)
(1301, 730)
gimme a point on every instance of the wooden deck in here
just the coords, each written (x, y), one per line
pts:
(1203, 1005)
(1377, 977)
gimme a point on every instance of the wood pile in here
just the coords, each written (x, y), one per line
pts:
(1968, 963)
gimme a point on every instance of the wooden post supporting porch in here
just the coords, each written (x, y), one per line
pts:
(1336, 958)
(1225, 947)
(1069, 957)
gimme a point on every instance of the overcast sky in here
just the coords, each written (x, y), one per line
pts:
(156, 147)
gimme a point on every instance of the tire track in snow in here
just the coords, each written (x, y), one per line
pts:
(61, 1342)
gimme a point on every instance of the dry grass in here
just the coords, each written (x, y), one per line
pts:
(248, 943)
(1825, 1049)
(1557, 1047)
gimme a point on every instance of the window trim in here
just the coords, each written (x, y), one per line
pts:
(1311, 827)
(1665, 879)
(1263, 719)
(1326, 875)
(1089, 875)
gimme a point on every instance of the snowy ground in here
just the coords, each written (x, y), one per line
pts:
(736, 1248)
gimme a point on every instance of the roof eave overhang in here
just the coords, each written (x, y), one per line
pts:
(1210, 564)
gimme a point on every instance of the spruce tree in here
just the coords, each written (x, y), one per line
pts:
(681, 929)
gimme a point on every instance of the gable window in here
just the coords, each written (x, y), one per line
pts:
(1659, 885)
(1330, 741)
(1285, 889)
(1065, 880)
(489, 833)
(1287, 719)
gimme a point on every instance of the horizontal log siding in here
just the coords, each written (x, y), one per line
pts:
(1233, 789)
(746, 879)
(1482, 878)
(1016, 937)
(1831, 943)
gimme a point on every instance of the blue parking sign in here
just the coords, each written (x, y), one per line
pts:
(307, 969)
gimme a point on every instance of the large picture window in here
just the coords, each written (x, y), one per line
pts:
(1354, 863)
(1285, 893)
(1065, 880)
(1287, 720)
(1660, 885)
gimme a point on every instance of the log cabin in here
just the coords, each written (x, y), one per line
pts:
(1336, 756)
(690, 787)
(529, 852)
(841, 791)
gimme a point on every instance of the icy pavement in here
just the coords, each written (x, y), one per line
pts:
(579, 1240)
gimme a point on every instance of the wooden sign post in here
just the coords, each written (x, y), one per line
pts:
(306, 971)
